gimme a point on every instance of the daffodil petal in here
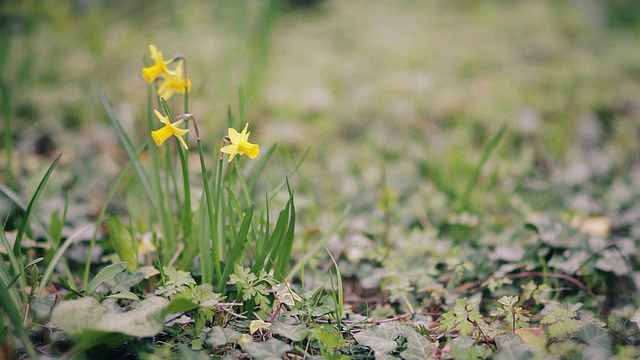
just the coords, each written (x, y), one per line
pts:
(230, 149)
(234, 136)
(162, 118)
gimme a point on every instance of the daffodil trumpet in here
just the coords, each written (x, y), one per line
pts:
(169, 129)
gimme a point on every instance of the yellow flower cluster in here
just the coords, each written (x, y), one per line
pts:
(238, 142)
(172, 79)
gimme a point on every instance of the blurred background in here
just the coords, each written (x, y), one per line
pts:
(399, 95)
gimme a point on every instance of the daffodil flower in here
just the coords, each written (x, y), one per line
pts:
(161, 135)
(174, 82)
(240, 144)
(159, 67)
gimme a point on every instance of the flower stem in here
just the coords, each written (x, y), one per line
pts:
(207, 270)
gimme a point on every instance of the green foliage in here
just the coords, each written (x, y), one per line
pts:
(561, 321)
(176, 281)
(123, 242)
(512, 347)
(219, 336)
(287, 328)
(106, 274)
(464, 318)
(516, 316)
(251, 287)
(272, 349)
(90, 323)
(329, 339)
(472, 211)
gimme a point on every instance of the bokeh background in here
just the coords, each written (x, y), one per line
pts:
(399, 95)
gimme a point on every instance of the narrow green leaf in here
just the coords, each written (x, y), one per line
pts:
(17, 247)
(15, 316)
(126, 142)
(238, 247)
(57, 257)
(269, 245)
(106, 274)
(286, 244)
(464, 200)
(124, 295)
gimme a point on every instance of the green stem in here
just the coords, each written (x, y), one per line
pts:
(219, 204)
(207, 272)
(186, 213)
(184, 160)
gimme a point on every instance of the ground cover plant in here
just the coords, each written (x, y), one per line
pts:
(319, 180)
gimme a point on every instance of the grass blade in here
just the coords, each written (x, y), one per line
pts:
(126, 142)
(238, 247)
(57, 257)
(14, 315)
(464, 200)
(17, 247)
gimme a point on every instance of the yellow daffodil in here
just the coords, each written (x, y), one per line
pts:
(240, 144)
(159, 67)
(161, 135)
(174, 82)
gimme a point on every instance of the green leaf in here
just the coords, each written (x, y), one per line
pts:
(105, 274)
(221, 336)
(122, 242)
(511, 347)
(126, 143)
(272, 349)
(508, 300)
(55, 228)
(464, 348)
(90, 323)
(185, 353)
(125, 280)
(180, 305)
(15, 317)
(418, 347)
(381, 339)
(17, 246)
(124, 295)
(287, 328)
(594, 336)
(561, 322)
(330, 339)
